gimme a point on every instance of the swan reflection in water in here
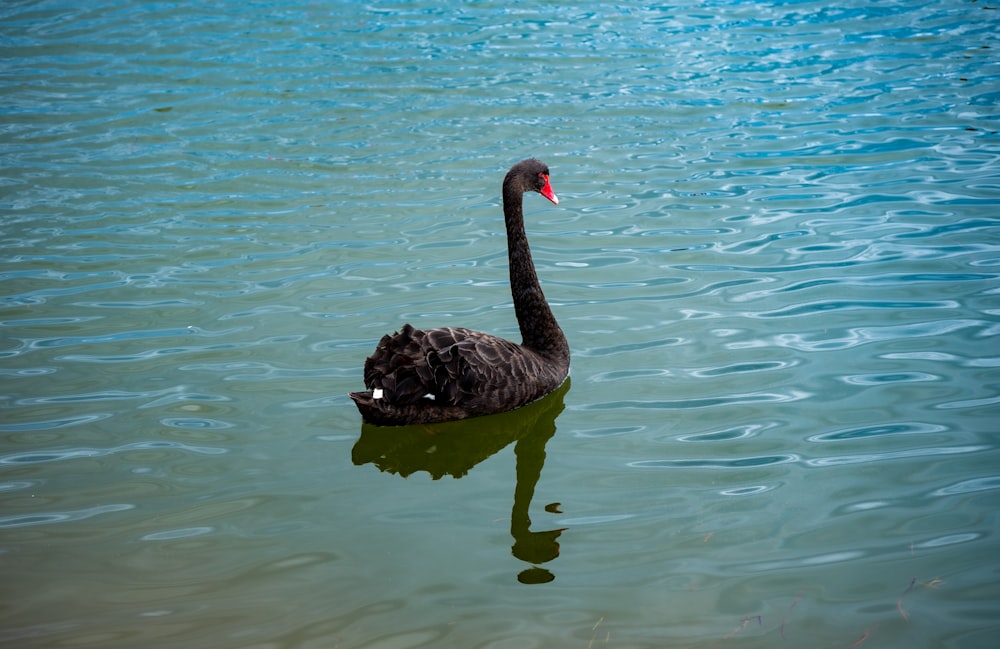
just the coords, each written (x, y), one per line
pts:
(453, 448)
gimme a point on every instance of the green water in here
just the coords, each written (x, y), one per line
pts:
(774, 258)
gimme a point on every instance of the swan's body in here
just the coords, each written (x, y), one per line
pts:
(449, 373)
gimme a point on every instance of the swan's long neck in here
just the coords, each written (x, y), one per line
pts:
(539, 329)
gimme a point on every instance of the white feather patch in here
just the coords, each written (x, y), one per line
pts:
(377, 393)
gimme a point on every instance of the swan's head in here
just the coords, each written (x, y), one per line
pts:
(532, 176)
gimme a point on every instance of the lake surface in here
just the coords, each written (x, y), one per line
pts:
(775, 257)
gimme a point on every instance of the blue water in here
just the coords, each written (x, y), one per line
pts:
(775, 257)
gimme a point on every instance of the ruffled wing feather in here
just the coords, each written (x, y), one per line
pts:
(449, 365)
(451, 373)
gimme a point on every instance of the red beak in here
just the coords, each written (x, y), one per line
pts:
(547, 191)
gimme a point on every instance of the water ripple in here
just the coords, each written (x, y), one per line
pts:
(752, 490)
(810, 308)
(706, 402)
(855, 336)
(729, 434)
(809, 560)
(894, 377)
(743, 368)
(36, 457)
(950, 539)
(972, 485)
(25, 520)
(864, 458)
(738, 463)
(160, 352)
(184, 533)
(52, 424)
(866, 432)
(964, 404)
(28, 345)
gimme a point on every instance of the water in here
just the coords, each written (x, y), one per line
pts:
(775, 258)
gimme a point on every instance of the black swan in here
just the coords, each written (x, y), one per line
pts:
(419, 377)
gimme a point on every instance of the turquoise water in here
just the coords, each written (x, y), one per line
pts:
(775, 257)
